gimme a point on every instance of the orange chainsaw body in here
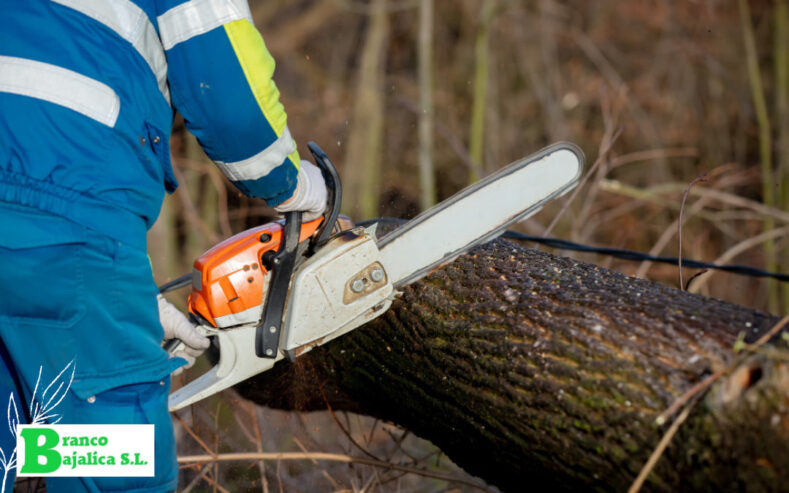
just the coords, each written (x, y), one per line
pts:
(229, 278)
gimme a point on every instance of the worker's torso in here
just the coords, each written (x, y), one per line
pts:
(84, 111)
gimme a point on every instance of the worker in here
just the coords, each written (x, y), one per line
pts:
(88, 90)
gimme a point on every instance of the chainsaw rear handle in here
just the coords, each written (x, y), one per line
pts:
(334, 200)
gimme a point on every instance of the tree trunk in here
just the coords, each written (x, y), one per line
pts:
(534, 371)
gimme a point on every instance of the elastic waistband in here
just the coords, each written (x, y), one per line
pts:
(113, 221)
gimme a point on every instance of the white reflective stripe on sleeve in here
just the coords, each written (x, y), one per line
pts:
(261, 163)
(196, 17)
(243, 7)
(132, 24)
(60, 86)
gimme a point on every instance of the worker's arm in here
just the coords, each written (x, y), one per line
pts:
(220, 75)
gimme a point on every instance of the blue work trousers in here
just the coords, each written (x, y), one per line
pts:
(71, 296)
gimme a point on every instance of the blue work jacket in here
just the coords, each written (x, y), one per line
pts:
(88, 91)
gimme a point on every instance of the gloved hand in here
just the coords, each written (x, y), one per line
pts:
(177, 326)
(310, 195)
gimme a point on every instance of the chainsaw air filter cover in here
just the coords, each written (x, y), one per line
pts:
(229, 281)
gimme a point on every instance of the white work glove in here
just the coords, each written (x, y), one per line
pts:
(177, 326)
(310, 195)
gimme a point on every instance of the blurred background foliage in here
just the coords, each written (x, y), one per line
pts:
(414, 99)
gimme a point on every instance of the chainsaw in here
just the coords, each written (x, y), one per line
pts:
(281, 289)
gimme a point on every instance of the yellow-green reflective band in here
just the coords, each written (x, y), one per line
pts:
(60, 86)
(197, 17)
(261, 163)
(129, 22)
(258, 66)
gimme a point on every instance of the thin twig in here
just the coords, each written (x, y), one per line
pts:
(259, 447)
(704, 384)
(326, 474)
(281, 456)
(368, 439)
(279, 475)
(238, 406)
(191, 210)
(610, 108)
(658, 452)
(368, 485)
(654, 193)
(694, 276)
(692, 392)
(196, 479)
(344, 430)
(652, 154)
(695, 209)
(773, 331)
(600, 158)
(744, 245)
(398, 442)
(701, 177)
(213, 483)
(194, 435)
(210, 170)
(770, 352)
(222, 208)
(444, 131)
(216, 445)
(365, 9)
(614, 80)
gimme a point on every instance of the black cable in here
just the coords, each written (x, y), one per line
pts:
(640, 257)
(176, 283)
(744, 270)
(617, 253)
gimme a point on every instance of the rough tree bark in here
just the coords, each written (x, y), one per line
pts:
(534, 371)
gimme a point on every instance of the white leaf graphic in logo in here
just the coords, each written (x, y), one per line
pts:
(41, 409)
